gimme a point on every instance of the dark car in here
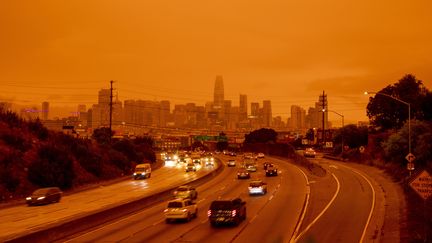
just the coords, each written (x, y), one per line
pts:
(267, 164)
(227, 212)
(271, 171)
(44, 196)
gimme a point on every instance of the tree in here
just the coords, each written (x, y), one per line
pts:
(353, 136)
(263, 135)
(396, 146)
(102, 135)
(389, 113)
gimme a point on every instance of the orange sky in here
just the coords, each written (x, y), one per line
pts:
(283, 50)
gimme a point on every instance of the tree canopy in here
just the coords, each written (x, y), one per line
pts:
(263, 135)
(388, 113)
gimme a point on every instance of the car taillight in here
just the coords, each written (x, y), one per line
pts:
(209, 213)
(234, 213)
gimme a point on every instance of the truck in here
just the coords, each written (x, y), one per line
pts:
(142, 171)
(180, 208)
(227, 212)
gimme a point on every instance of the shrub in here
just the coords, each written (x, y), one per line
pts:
(52, 167)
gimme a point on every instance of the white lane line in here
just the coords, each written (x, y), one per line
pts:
(270, 198)
(254, 217)
(373, 202)
(300, 222)
(158, 222)
(322, 212)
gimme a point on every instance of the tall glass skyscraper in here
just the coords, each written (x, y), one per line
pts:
(218, 93)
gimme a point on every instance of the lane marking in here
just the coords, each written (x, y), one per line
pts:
(305, 206)
(373, 202)
(254, 217)
(322, 212)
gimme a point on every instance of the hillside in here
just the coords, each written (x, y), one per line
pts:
(32, 156)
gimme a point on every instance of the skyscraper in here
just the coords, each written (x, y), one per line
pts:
(218, 93)
(267, 113)
(243, 107)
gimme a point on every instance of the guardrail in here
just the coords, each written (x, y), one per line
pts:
(78, 224)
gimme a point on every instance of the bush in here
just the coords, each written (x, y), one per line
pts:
(52, 167)
(38, 129)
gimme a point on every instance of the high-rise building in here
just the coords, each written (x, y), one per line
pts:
(165, 109)
(243, 107)
(45, 110)
(267, 113)
(218, 93)
(104, 97)
(298, 116)
(255, 109)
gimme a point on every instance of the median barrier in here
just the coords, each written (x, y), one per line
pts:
(61, 230)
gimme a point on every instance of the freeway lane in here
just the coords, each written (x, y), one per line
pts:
(347, 216)
(270, 218)
(23, 220)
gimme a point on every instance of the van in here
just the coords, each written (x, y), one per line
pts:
(142, 171)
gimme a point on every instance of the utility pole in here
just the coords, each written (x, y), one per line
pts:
(323, 100)
(111, 108)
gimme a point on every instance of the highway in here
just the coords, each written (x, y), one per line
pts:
(22, 219)
(298, 207)
(270, 218)
(346, 215)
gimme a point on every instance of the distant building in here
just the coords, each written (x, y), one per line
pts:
(267, 113)
(218, 93)
(243, 112)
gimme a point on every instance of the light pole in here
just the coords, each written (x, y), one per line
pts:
(409, 114)
(342, 133)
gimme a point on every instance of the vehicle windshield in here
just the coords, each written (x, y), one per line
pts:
(255, 184)
(41, 191)
(182, 189)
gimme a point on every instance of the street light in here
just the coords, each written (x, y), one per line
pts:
(409, 114)
(342, 142)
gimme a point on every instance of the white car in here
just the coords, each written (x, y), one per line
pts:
(180, 208)
(260, 155)
(186, 192)
(231, 163)
(257, 187)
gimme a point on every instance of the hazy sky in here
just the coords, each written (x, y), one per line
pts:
(288, 51)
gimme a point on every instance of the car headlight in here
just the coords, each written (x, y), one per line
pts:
(41, 198)
(28, 198)
(134, 174)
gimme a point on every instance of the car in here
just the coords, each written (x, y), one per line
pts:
(260, 155)
(142, 171)
(251, 167)
(242, 173)
(231, 163)
(266, 164)
(209, 161)
(191, 167)
(309, 152)
(257, 187)
(232, 154)
(227, 212)
(271, 171)
(186, 191)
(43, 196)
(180, 208)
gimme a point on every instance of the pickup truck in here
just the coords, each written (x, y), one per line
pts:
(180, 208)
(227, 212)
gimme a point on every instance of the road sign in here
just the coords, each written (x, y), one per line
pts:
(422, 184)
(410, 157)
(410, 166)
